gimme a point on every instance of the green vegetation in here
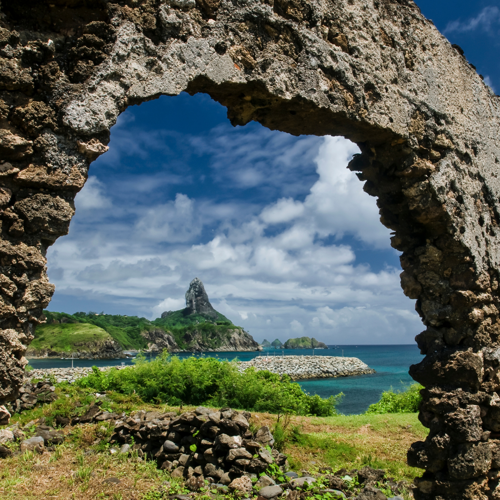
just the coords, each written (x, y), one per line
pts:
(211, 382)
(179, 319)
(276, 343)
(213, 332)
(58, 333)
(126, 330)
(266, 343)
(66, 337)
(303, 343)
(406, 401)
(80, 467)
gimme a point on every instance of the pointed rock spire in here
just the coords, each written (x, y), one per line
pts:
(197, 300)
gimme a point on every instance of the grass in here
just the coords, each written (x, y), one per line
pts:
(76, 475)
(78, 468)
(351, 442)
(68, 337)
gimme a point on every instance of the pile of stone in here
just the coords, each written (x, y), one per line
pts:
(32, 394)
(63, 374)
(44, 438)
(204, 444)
(307, 367)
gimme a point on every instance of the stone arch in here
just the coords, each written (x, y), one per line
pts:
(374, 71)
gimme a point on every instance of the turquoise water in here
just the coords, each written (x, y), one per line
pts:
(391, 363)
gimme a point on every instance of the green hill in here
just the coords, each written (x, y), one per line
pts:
(64, 338)
(125, 330)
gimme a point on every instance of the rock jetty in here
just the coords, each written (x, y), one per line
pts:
(307, 367)
(59, 375)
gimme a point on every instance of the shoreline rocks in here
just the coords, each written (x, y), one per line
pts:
(309, 367)
(236, 340)
(107, 349)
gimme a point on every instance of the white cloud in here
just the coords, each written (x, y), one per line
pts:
(91, 197)
(172, 222)
(337, 203)
(284, 210)
(297, 327)
(484, 21)
(168, 304)
(489, 82)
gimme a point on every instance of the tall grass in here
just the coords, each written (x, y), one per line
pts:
(208, 381)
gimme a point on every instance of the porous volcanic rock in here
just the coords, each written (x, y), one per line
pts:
(105, 349)
(158, 340)
(376, 72)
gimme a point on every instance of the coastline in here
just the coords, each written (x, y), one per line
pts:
(126, 355)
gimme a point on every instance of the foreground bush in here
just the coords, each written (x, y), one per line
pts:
(398, 402)
(197, 381)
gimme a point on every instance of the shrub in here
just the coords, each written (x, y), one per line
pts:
(406, 401)
(197, 381)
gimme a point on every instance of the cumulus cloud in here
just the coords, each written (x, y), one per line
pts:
(489, 82)
(297, 327)
(173, 222)
(168, 304)
(92, 197)
(284, 210)
(337, 203)
(485, 21)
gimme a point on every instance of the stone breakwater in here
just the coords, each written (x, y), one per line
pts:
(308, 367)
(63, 374)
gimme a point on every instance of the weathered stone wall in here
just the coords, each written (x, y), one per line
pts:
(375, 71)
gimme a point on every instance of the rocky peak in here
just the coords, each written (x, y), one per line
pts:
(197, 300)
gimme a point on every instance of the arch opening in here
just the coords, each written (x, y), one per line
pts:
(277, 228)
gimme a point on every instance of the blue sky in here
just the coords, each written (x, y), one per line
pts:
(277, 228)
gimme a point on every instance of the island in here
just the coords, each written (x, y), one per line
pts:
(304, 343)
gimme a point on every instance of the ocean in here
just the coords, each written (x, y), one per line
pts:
(391, 363)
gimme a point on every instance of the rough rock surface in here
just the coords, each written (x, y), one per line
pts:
(235, 339)
(375, 71)
(159, 340)
(197, 300)
(306, 367)
(105, 349)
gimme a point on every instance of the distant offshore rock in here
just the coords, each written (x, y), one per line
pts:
(304, 343)
(308, 367)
